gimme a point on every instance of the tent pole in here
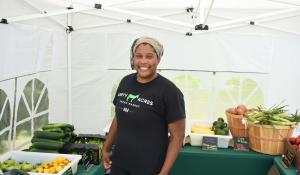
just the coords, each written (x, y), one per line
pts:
(201, 11)
(283, 2)
(44, 15)
(126, 2)
(98, 25)
(221, 28)
(278, 29)
(263, 20)
(158, 27)
(69, 55)
(279, 17)
(104, 16)
(41, 11)
(133, 22)
(267, 26)
(138, 14)
(124, 20)
(255, 17)
(208, 12)
(149, 17)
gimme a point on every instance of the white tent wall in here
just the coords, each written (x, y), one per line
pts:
(223, 50)
(28, 50)
(90, 82)
(33, 74)
(284, 74)
(28, 45)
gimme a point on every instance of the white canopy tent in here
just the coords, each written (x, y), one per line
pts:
(61, 61)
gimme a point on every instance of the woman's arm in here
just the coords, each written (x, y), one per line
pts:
(177, 132)
(108, 144)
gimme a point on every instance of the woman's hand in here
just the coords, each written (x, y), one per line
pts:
(106, 160)
(108, 144)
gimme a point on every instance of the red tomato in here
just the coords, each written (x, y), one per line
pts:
(297, 140)
(292, 140)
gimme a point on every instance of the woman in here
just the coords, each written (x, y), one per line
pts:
(148, 107)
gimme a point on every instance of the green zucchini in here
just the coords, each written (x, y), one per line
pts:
(48, 135)
(58, 125)
(37, 139)
(50, 146)
(54, 130)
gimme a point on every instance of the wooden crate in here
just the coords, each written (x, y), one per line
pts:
(288, 146)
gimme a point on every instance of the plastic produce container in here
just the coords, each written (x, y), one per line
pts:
(36, 157)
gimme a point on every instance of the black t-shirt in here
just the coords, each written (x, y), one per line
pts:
(143, 112)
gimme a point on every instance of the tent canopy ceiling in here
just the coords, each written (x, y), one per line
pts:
(173, 15)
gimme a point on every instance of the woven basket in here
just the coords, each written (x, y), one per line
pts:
(268, 139)
(236, 127)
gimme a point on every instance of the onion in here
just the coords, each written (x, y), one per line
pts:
(232, 110)
(240, 111)
(243, 108)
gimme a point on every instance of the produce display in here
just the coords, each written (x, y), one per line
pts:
(236, 118)
(276, 115)
(202, 129)
(94, 139)
(295, 142)
(52, 137)
(51, 167)
(239, 110)
(219, 127)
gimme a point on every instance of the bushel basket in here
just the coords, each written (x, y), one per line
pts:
(236, 127)
(268, 139)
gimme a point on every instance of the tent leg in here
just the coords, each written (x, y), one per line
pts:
(69, 45)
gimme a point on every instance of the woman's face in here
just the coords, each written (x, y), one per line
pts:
(145, 62)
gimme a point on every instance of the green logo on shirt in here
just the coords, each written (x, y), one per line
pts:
(132, 97)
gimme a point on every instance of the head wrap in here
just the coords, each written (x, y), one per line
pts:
(157, 46)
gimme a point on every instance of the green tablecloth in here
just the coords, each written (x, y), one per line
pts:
(194, 161)
(95, 170)
(284, 171)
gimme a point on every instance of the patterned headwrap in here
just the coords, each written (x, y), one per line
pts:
(157, 46)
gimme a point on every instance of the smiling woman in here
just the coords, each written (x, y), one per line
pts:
(145, 56)
(147, 108)
(145, 63)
